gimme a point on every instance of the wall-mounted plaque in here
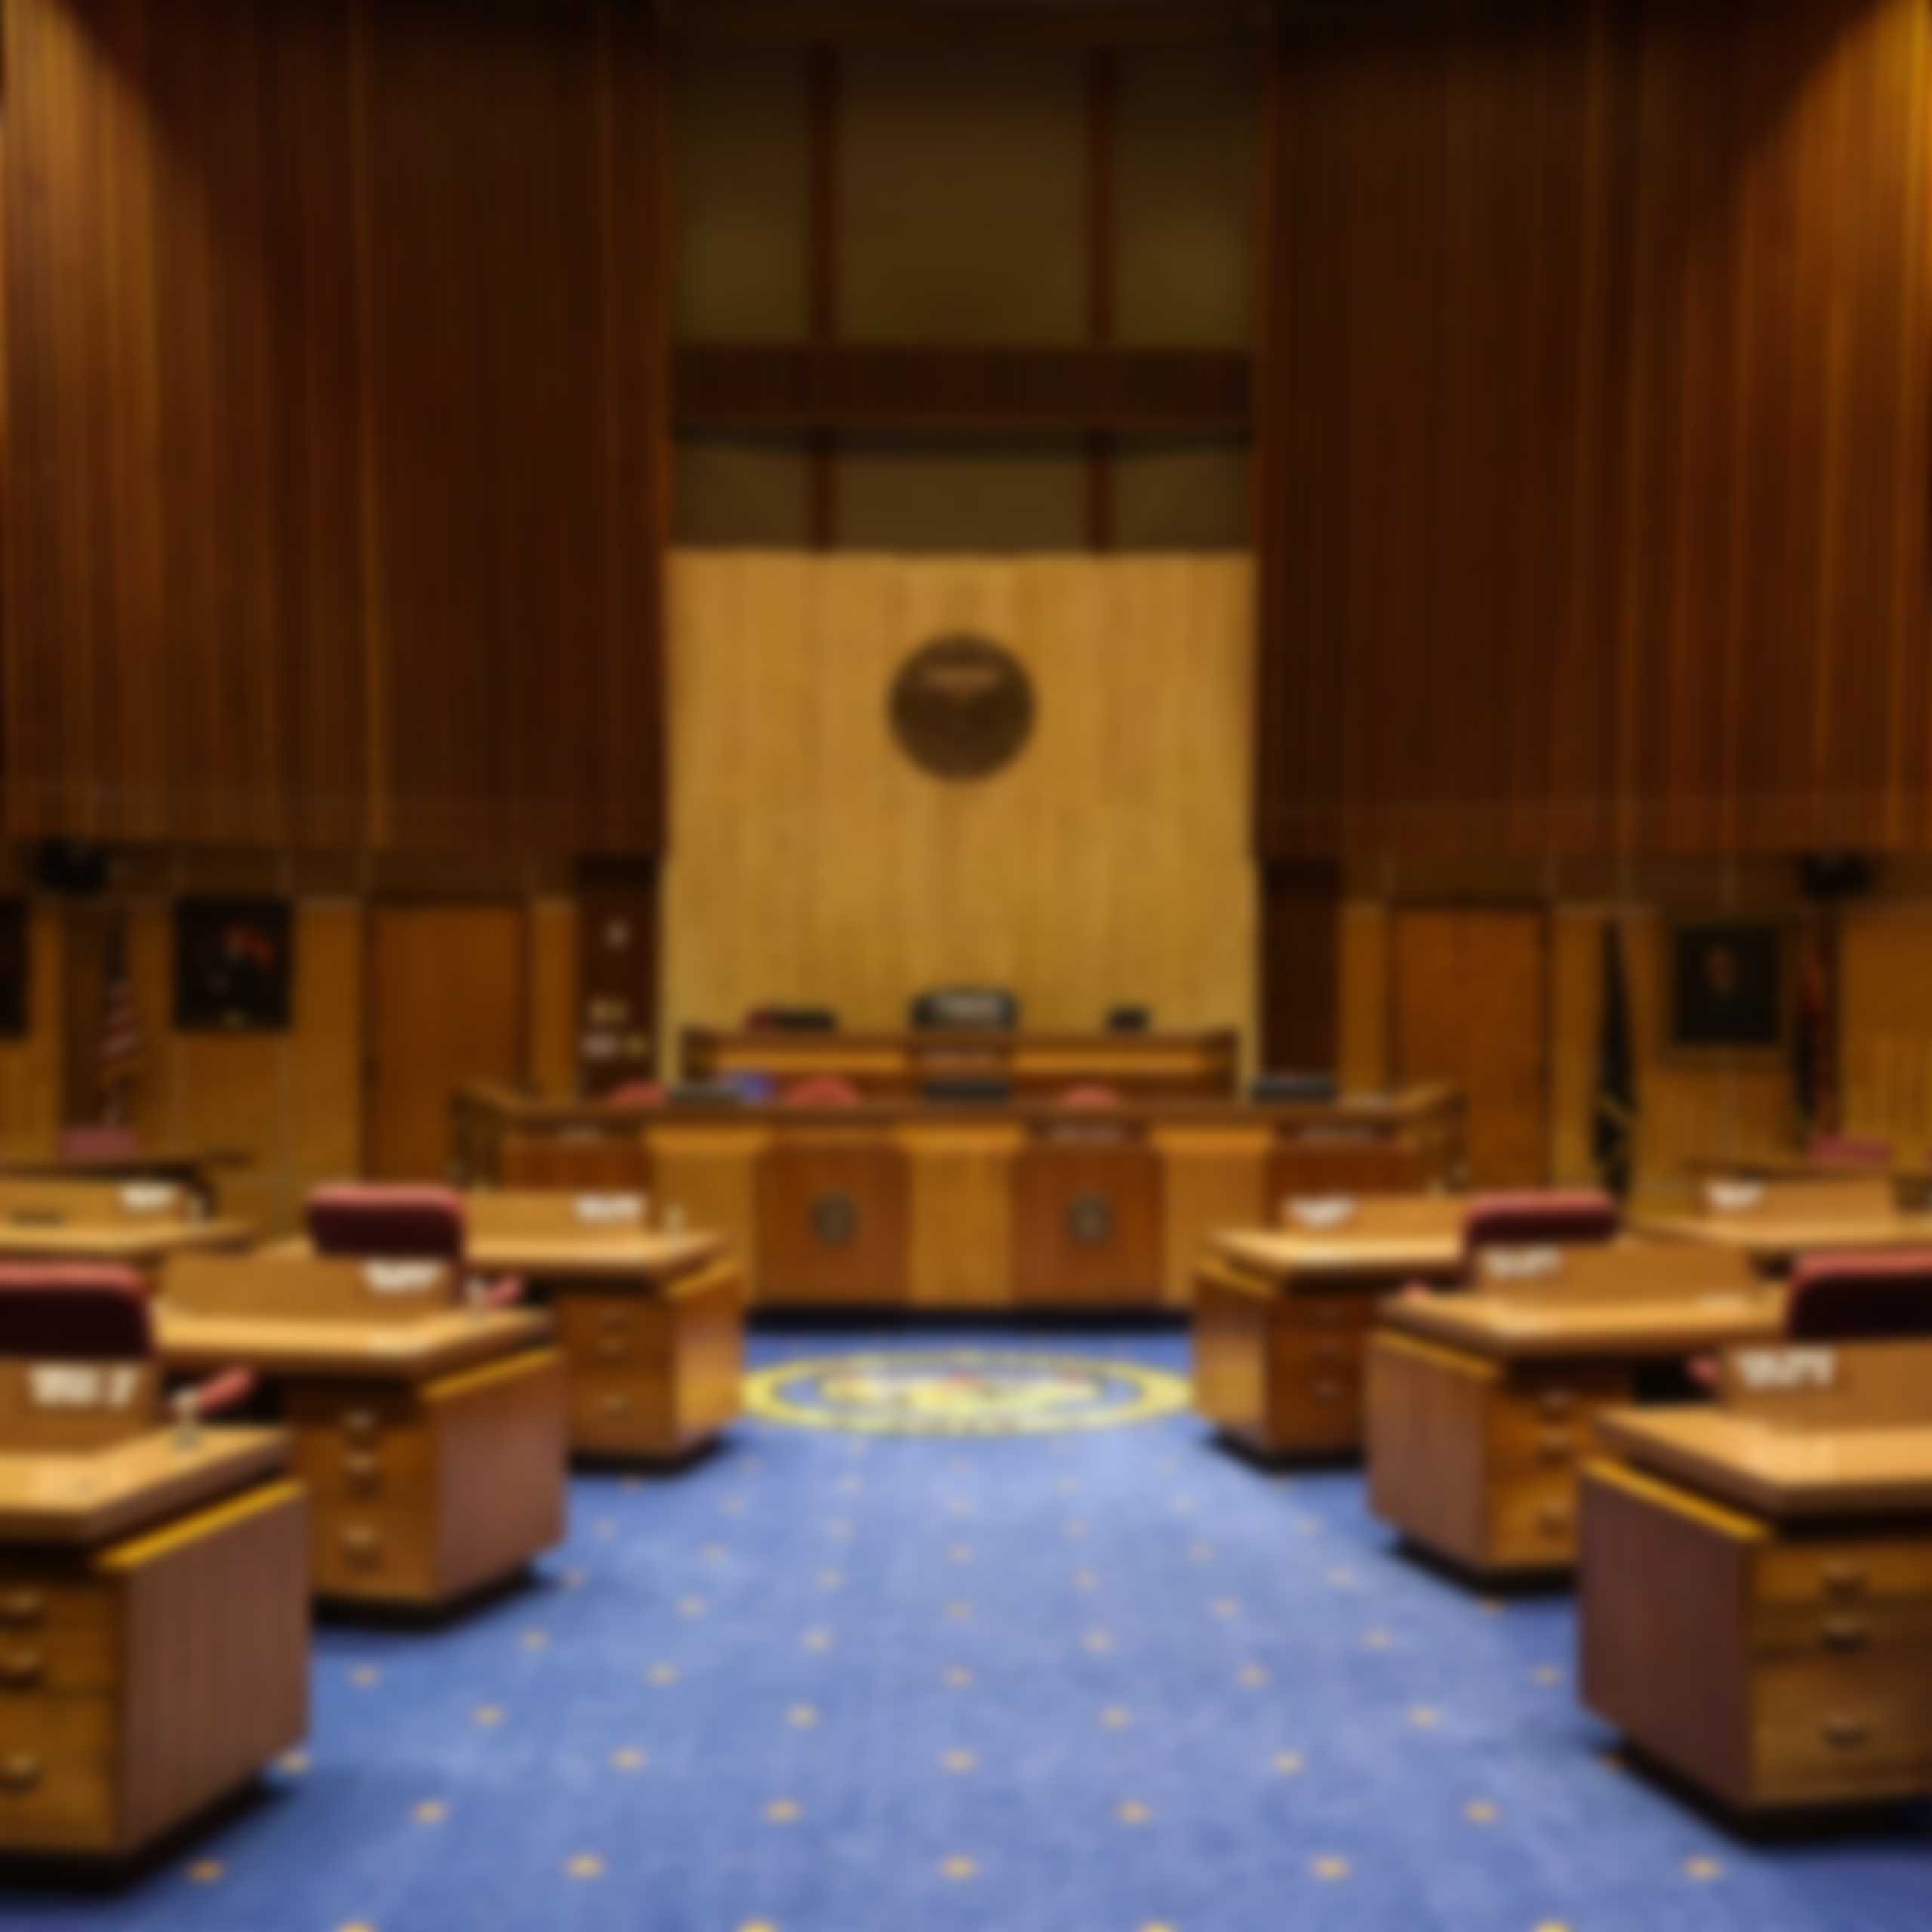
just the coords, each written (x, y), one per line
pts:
(835, 1220)
(232, 965)
(1090, 1220)
(14, 969)
(962, 707)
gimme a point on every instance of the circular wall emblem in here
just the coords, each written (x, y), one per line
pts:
(962, 1391)
(1090, 1219)
(835, 1220)
(961, 706)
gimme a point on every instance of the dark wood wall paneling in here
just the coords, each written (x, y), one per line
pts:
(1593, 394)
(336, 382)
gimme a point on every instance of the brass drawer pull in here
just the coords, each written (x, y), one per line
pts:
(1843, 1732)
(612, 1352)
(21, 1670)
(22, 1610)
(19, 1772)
(617, 1405)
(1556, 1403)
(359, 1423)
(615, 1320)
(1553, 1518)
(1844, 1633)
(362, 1468)
(1555, 1445)
(1844, 1580)
(361, 1544)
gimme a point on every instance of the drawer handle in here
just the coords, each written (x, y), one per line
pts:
(1844, 1633)
(1556, 1403)
(617, 1405)
(1844, 1580)
(615, 1320)
(22, 1610)
(1845, 1732)
(1553, 1518)
(1555, 1445)
(1329, 1391)
(21, 1670)
(361, 1422)
(362, 1469)
(362, 1544)
(1325, 1314)
(1331, 1352)
(19, 1772)
(613, 1351)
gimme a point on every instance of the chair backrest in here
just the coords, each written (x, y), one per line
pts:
(400, 1221)
(635, 1093)
(1538, 1217)
(822, 1089)
(1089, 1097)
(106, 1141)
(74, 1312)
(988, 1007)
(1850, 1150)
(1847, 1296)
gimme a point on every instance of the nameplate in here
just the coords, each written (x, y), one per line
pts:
(1733, 1197)
(82, 1385)
(1785, 1371)
(610, 1210)
(402, 1278)
(1520, 1264)
(1322, 1212)
(1338, 1137)
(149, 1197)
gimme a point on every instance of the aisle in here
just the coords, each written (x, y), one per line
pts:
(1101, 1680)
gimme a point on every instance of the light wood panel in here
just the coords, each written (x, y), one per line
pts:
(377, 289)
(1468, 991)
(1594, 500)
(1885, 1026)
(447, 1005)
(815, 863)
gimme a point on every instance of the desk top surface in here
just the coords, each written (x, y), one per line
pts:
(1793, 1234)
(1386, 1235)
(382, 1351)
(1778, 1471)
(611, 1255)
(131, 1241)
(1512, 1328)
(86, 1497)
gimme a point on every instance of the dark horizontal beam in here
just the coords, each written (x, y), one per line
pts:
(1061, 22)
(785, 386)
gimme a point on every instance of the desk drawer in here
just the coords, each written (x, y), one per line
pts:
(1843, 1572)
(1540, 1419)
(1351, 1314)
(1872, 1627)
(56, 1635)
(1824, 1723)
(1532, 1515)
(56, 1794)
(380, 1551)
(349, 1450)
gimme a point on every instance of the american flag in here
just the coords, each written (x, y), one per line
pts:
(120, 1053)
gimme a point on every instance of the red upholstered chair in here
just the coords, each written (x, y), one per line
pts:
(1850, 1150)
(1849, 1297)
(636, 1093)
(104, 1142)
(1091, 1097)
(387, 1223)
(86, 1311)
(1539, 1217)
(78, 1311)
(822, 1090)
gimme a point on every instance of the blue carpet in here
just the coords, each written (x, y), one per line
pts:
(1099, 1681)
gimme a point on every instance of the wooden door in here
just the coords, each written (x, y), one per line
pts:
(1470, 985)
(446, 990)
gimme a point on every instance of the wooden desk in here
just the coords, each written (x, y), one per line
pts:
(1757, 1604)
(895, 1066)
(1775, 1220)
(953, 1200)
(1480, 1405)
(1281, 1320)
(431, 1438)
(154, 1632)
(651, 1324)
(137, 1223)
(193, 1168)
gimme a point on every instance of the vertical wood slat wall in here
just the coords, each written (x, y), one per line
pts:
(1594, 441)
(335, 376)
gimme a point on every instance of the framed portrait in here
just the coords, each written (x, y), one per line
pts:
(232, 965)
(1728, 981)
(14, 969)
